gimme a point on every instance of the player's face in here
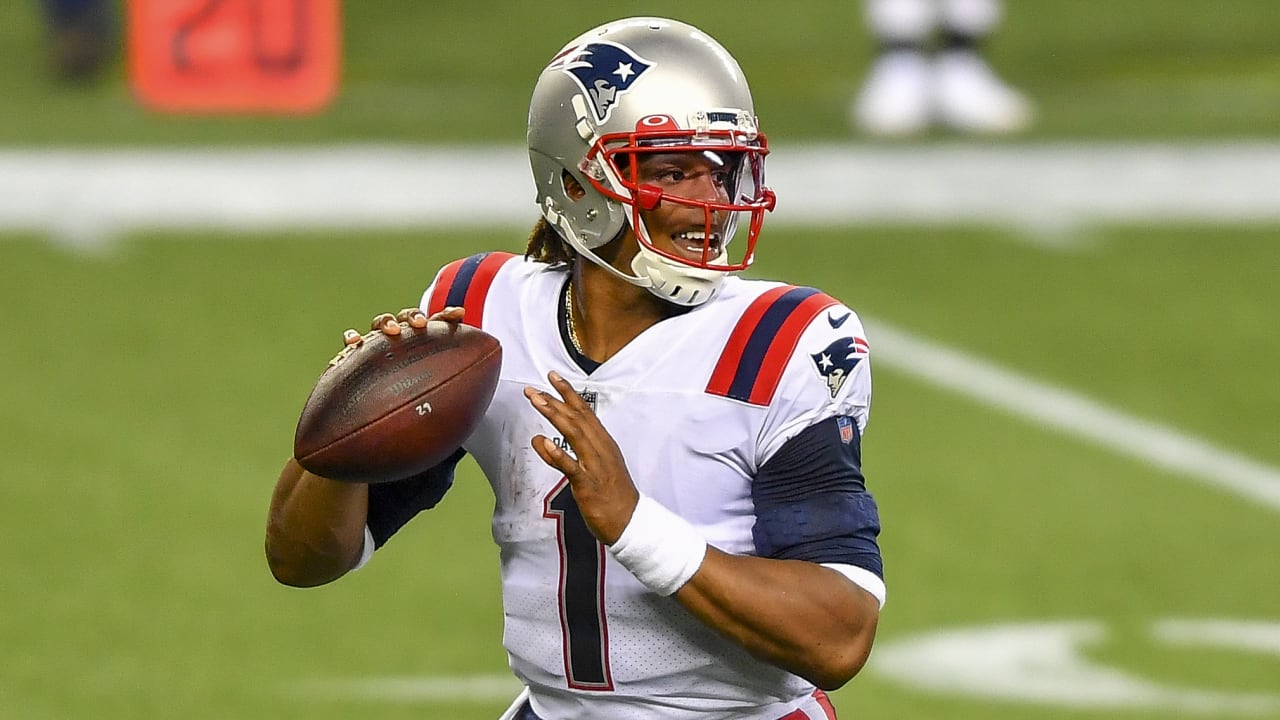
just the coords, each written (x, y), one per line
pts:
(687, 231)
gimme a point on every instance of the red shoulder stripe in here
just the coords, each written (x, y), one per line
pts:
(825, 702)
(784, 344)
(731, 356)
(479, 289)
(441, 291)
(465, 283)
(751, 364)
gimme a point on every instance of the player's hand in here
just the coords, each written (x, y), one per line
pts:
(601, 484)
(449, 315)
(393, 325)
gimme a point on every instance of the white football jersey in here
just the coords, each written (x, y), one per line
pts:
(697, 403)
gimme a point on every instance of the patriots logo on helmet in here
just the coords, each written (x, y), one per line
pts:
(604, 71)
(836, 362)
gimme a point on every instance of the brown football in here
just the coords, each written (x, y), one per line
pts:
(395, 406)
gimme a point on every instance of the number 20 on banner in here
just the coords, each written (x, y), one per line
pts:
(234, 56)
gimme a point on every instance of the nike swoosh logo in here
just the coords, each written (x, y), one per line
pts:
(837, 322)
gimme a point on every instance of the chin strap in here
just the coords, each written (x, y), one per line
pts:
(676, 283)
(558, 220)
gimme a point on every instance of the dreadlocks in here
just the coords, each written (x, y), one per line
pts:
(546, 245)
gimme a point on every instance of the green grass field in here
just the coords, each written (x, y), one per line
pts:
(150, 396)
(150, 389)
(445, 72)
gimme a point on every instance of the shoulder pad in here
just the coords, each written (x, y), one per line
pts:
(762, 343)
(465, 283)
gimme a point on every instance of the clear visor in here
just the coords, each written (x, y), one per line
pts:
(689, 195)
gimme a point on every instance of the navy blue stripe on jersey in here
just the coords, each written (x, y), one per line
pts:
(744, 380)
(462, 281)
(393, 504)
(812, 503)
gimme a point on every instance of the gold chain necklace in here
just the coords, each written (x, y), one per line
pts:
(568, 316)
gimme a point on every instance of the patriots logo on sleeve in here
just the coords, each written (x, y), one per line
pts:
(604, 71)
(836, 362)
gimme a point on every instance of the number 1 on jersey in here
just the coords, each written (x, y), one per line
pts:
(582, 621)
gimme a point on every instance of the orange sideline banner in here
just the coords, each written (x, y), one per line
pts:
(234, 56)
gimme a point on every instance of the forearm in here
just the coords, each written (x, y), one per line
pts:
(800, 616)
(315, 528)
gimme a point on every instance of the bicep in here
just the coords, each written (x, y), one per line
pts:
(811, 500)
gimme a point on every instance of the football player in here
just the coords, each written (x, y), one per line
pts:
(674, 451)
(930, 70)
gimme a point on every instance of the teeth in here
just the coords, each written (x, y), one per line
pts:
(697, 236)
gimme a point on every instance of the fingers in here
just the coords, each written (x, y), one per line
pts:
(386, 324)
(571, 415)
(413, 317)
(588, 457)
(449, 314)
(567, 392)
(352, 341)
(389, 324)
(394, 325)
(554, 456)
(568, 406)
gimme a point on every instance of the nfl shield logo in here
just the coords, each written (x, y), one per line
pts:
(846, 429)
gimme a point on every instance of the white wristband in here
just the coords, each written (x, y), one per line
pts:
(659, 547)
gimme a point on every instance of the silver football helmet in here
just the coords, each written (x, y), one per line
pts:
(648, 85)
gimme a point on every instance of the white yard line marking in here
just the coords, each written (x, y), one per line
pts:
(1054, 407)
(86, 196)
(1253, 636)
(1050, 663)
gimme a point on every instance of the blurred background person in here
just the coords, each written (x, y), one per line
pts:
(930, 71)
(80, 36)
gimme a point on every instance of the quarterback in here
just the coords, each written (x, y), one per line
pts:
(674, 451)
